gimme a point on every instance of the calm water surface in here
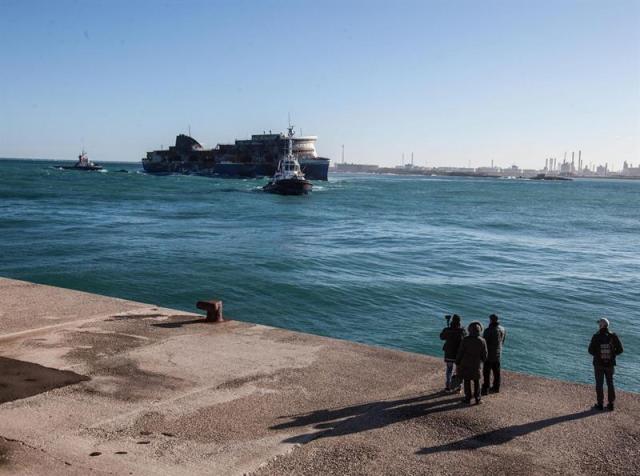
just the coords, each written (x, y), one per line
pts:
(374, 259)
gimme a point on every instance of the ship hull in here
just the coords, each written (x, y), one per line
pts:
(85, 169)
(313, 169)
(289, 187)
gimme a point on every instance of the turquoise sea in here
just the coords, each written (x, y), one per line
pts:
(374, 259)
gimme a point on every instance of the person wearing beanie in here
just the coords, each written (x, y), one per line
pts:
(604, 347)
(494, 335)
(471, 354)
(452, 336)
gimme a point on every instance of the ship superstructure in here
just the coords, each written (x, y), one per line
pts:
(255, 157)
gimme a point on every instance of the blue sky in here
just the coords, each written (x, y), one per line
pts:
(456, 82)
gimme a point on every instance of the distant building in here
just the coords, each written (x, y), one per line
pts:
(489, 170)
(566, 168)
(514, 170)
(628, 170)
(465, 170)
(362, 168)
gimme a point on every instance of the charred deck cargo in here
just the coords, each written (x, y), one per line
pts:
(255, 157)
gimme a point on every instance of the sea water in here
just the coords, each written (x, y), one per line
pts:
(370, 258)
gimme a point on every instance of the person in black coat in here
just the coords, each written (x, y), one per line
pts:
(452, 336)
(604, 347)
(494, 335)
(471, 354)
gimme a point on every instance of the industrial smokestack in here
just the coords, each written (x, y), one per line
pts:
(580, 159)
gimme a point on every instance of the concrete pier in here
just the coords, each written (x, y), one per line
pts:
(97, 385)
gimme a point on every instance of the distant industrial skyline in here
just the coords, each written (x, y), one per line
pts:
(573, 158)
(456, 83)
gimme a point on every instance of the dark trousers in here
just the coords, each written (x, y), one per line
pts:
(486, 373)
(467, 388)
(601, 373)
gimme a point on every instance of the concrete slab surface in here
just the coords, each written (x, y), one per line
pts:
(97, 385)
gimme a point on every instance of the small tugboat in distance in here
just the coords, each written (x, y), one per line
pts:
(83, 163)
(288, 178)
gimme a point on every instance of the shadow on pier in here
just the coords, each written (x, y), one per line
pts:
(178, 324)
(504, 435)
(20, 379)
(368, 416)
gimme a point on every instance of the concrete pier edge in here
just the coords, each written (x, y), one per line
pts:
(93, 384)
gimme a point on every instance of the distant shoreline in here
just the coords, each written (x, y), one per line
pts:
(382, 172)
(472, 175)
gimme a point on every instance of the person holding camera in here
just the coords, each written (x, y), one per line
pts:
(452, 336)
(471, 354)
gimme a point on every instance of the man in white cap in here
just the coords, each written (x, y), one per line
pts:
(604, 347)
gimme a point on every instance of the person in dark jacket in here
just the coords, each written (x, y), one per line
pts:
(494, 335)
(452, 336)
(471, 354)
(604, 347)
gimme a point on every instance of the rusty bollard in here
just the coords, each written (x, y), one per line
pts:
(213, 308)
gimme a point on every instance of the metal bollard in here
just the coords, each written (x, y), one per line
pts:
(213, 308)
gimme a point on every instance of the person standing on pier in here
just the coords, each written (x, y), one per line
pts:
(494, 335)
(471, 354)
(452, 336)
(604, 347)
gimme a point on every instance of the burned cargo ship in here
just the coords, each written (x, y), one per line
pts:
(255, 157)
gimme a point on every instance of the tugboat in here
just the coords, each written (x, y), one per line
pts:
(83, 163)
(288, 179)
